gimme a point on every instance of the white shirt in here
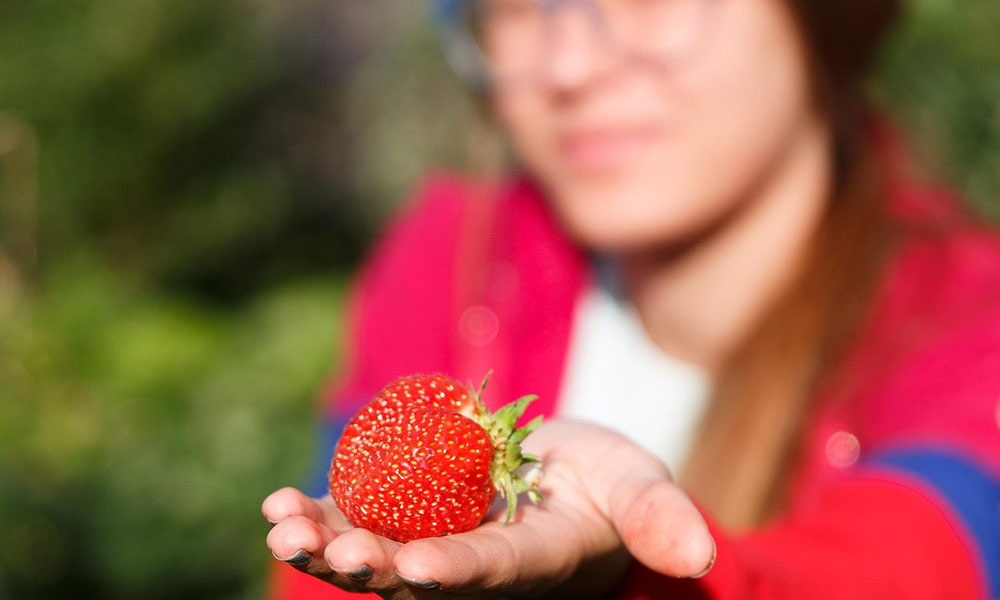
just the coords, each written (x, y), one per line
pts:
(616, 377)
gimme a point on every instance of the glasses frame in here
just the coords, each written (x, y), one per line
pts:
(466, 59)
(461, 52)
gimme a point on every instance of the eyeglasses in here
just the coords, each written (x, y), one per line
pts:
(497, 42)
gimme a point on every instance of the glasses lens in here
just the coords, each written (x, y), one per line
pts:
(668, 30)
(509, 34)
(512, 34)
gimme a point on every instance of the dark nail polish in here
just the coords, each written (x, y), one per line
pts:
(362, 573)
(298, 559)
(428, 584)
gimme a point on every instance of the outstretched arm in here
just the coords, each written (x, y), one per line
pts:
(606, 500)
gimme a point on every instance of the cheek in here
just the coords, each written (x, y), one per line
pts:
(745, 103)
(527, 117)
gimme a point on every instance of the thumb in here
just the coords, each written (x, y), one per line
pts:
(660, 525)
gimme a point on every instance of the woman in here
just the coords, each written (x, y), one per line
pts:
(712, 250)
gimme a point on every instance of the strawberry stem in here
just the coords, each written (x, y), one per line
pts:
(507, 454)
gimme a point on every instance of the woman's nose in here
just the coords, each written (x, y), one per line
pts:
(574, 49)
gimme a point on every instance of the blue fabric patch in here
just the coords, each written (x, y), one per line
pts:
(447, 11)
(972, 492)
(317, 482)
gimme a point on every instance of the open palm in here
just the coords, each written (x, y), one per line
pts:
(606, 500)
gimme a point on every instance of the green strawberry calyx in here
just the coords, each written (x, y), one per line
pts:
(507, 454)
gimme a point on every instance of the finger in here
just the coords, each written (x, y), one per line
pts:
(360, 555)
(301, 542)
(288, 502)
(661, 527)
(655, 519)
(494, 556)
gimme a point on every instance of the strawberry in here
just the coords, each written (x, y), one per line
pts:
(425, 458)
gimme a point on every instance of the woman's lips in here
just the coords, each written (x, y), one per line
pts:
(602, 149)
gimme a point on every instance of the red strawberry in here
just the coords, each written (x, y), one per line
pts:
(426, 458)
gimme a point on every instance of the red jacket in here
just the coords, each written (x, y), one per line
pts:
(898, 494)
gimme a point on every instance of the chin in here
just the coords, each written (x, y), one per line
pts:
(615, 233)
(621, 221)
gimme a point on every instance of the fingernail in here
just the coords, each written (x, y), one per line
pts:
(427, 584)
(298, 559)
(711, 563)
(362, 573)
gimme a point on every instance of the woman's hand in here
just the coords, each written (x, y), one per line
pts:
(605, 499)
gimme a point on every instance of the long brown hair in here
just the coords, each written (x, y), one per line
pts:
(743, 460)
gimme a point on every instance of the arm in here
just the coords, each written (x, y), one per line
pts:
(881, 531)
(600, 489)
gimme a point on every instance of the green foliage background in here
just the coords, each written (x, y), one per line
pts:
(185, 187)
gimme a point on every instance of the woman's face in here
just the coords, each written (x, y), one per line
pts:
(638, 152)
